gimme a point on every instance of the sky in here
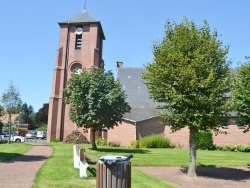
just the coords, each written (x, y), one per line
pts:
(29, 35)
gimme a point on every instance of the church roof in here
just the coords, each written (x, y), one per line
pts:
(142, 107)
(80, 17)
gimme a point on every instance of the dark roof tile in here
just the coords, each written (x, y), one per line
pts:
(142, 107)
(80, 17)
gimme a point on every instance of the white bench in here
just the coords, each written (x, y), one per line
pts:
(81, 161)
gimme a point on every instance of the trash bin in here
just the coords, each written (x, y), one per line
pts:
(113, 171)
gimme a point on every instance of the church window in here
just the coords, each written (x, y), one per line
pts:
(78, 43)
(76, 68)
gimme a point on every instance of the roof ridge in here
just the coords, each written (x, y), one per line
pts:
(80, 17)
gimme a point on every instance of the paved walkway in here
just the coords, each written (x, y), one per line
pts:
(20, 171)
(207, 177)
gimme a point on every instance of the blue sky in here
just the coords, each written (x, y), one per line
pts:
(29, 34)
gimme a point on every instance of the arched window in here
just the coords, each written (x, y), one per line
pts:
(76, 68)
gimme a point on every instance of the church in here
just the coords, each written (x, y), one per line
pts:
(81, 46)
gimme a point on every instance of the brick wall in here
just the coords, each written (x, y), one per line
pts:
(123, 134)
(146, 128)
(179, 139)
(127, 132)
(234, 136)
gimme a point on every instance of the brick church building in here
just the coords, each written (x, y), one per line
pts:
(80, 46)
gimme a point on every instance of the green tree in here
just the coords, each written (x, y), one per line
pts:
(42, 114)
(241, 94)
(96, 100)
(26, 115)
(190, 77)
(1, 109)
(10, 100)
(1, 127)
(1, 124)
(27, 110)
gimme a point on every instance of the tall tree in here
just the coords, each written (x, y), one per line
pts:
(241, 94)
(42, 114)
(26, 115)
(1, 110)
(27, 110)
(10, 100)
(96, 100)
(190, 76)
(1, 124)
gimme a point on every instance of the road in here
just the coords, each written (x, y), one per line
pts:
(36, 140)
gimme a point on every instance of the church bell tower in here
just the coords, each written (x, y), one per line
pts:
(80, 47)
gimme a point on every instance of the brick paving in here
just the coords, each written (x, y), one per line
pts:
(207, 177)
(20, 171)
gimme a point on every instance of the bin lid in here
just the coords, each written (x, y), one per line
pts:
(112, 159)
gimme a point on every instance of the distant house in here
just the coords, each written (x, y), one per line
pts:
(5, 118)
(141, 121)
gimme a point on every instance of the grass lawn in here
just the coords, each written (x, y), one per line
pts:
(9, 151)
(58, 170)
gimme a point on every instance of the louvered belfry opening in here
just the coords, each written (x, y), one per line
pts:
(78, 44)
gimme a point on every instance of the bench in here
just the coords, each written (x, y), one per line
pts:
(81, 160)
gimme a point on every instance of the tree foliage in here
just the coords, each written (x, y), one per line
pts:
(1, 123)
(1, 110)
(241, 94)
(10, 101)
(190, 76)
(96, 100)
(42, 114)
(26, 115)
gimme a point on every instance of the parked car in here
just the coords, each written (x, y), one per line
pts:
(21, 133)
(13, 138)
(41, 134)
(2, 138)
(5, 132)
(31, 134)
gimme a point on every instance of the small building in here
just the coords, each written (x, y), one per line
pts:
(5, 118)
(141, 121)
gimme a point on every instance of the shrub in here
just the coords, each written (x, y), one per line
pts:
(240, 148)
(245, 148)
(42, 128)
(204, 140)
(232, 148)
(113, 144)
(155, 141)
(54, 140)
(135, 144)
(101, 142)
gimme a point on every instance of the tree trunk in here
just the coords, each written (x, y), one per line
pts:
(192, 152)
(94, 147)
(9, 128)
